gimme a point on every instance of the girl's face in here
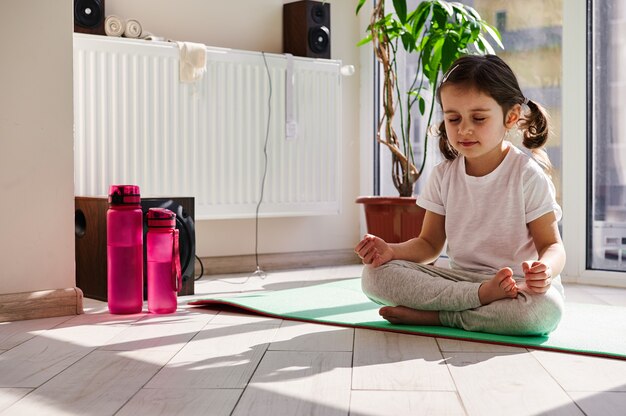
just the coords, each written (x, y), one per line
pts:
(476, 126)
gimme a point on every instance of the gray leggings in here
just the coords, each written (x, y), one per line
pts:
(454, 293)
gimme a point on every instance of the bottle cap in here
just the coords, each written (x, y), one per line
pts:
(124, 195)
(161, 218)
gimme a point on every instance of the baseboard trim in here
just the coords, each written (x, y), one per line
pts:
(41, 304)
(277, 261)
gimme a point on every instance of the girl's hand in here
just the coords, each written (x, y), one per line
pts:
(538, 276)
(374, 251)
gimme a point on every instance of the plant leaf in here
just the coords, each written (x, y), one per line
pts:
(446, 6)
(472, 12)
(449, 51)
(493, 32)
(400, 7)
(435, 61)
(420, 17)
(422, 104)
(358, 7)
(408, 41)
(440, 16)
(485, 46)
(365, 40)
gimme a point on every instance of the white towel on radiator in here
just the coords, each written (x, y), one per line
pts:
(133, 29)
(114, 25)
(192, 61)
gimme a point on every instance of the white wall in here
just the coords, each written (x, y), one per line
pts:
(257, 25)
(36, 146)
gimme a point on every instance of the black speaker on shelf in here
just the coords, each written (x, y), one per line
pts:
(306, 29)
(89, 16)
(184, 210)
(91, 241)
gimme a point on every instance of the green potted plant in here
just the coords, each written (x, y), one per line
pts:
(439, 32)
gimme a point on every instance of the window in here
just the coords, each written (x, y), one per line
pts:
(606, 210)
(501, 21)
(532, 47)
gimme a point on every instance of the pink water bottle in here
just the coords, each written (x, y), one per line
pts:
(124, 250)
(164, 272)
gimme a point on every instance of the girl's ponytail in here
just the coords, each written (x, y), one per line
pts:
(535, 126)
(444, 145)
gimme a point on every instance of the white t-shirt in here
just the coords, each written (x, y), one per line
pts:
(486, 217)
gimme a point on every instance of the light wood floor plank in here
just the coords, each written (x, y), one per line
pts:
(160, 332)
(392, 361)
(455, 345)
(220, 356)
(405, 403)
(298, 383)
(302, 336)
(507, 384)
(35, 361)
(15, 332)
(183, 402)
(8, 396)
(99, 384)
(611, 295)
(240, 317)
(584, 373)
(580, 294)
(601, 403)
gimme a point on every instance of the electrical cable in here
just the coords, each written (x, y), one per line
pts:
(229, 281)
(201, 268)
(259, 271)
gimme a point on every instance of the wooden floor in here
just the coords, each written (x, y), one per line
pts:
(211, 362)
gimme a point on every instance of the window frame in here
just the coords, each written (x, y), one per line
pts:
(577, 137)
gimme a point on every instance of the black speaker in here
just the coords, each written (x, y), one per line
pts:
(90, 222)
(306, 29)
(91, 241)
(89, 16)
(184, 210)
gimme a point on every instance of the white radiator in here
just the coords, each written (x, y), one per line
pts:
(135, 123)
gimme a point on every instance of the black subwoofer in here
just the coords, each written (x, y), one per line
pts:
(91, 241)
(306, 29)
(89, 16)
(184, 210)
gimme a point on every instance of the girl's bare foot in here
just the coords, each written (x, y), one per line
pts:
(407, 316)
(501, 286)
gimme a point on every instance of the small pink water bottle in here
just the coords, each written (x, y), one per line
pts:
(164, 272)
(124, 250)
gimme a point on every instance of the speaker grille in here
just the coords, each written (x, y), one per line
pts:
(89, 16)
(318, 14)
(88, 13)
(319, 37)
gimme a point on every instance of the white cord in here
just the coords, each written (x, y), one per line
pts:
(259, 272)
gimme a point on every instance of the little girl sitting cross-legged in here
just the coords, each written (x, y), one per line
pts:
(493, 205)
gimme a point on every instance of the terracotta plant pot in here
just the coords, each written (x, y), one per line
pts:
(394, 219)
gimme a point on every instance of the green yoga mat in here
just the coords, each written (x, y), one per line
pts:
(588, 329)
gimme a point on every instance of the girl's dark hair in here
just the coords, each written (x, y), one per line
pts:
(491, 75)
